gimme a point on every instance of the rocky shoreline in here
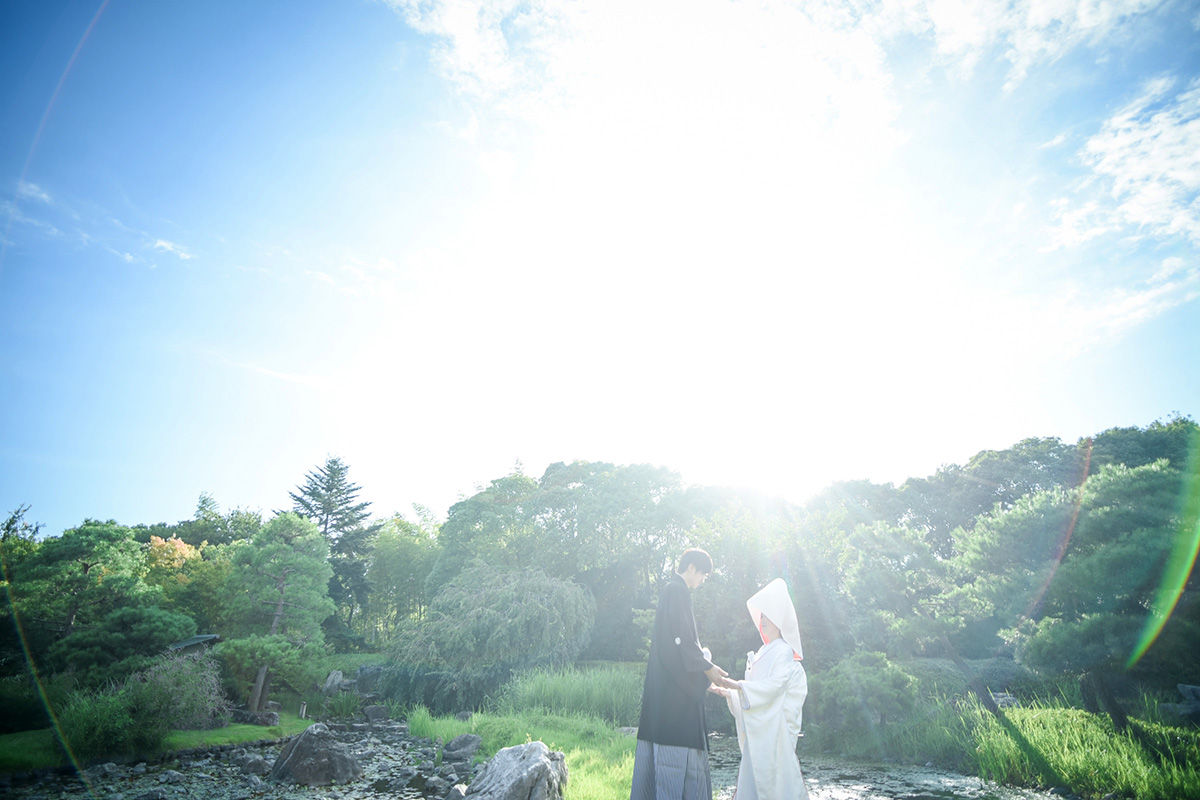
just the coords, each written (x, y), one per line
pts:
(393, 763)
(398, 765)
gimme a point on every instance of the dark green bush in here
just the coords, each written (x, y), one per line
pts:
(110, 721)
(856, 699)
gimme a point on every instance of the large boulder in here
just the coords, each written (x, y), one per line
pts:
(315, 758)
(525, 772)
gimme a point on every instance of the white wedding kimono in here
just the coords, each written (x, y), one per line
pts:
(768, 710)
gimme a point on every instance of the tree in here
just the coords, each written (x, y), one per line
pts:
(489, 621)
(329, 499)
(282, 575)
(127, 640)
(79, 577)
(18, 541)
(404, 554)
(1072, 574)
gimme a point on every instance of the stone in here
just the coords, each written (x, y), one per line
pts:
(256, 765)
(462, 748)
(367, 678)
(265, 718)
(463, 716)
(315, 758)
(271, 705)
(524, 772)
(457, 792)
(170, 776)
(1188, 692)
(376, 714)
(333, 682)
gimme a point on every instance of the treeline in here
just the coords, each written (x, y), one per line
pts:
(1063, 558)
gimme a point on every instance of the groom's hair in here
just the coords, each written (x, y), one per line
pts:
(695, 555)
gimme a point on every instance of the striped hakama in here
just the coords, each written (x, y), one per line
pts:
(668, 772)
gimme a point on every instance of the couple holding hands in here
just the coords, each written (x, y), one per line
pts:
(671, 760)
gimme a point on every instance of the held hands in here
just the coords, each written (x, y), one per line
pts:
(720, 678)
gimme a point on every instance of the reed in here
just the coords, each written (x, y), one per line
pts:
(609, 693)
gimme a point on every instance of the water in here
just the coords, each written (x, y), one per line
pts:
(832, 779)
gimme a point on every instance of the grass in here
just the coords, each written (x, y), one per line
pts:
(1047, 744)
(608, 692)
(599, 758)
(29, 750)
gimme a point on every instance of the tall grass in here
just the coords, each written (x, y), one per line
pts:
(1047, 743)
(609, 693)
(599, 758)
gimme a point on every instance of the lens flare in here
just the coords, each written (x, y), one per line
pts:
(1182, 559)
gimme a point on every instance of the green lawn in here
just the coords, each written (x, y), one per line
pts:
(37, 749)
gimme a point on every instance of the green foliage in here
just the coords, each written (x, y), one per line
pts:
(1073, 572)
(858, 698)
(281, 579)
(74, 580)
(126, 640)
(404, 555)
(186, 690)
(484, 625)
(330, 499)
(111, 722)
(492, 617)
(341, 705)
(610, 693)
(25, 707)
(288, 661)
(135, 716)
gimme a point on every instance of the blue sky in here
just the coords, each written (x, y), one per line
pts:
(769, 245)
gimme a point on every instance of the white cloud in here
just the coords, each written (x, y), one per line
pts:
(1147, 156)
(31, 191)
(1027, 32)
(171, 247)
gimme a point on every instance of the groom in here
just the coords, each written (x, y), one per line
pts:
(671, 760)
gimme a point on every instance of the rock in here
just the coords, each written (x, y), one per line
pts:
(463, 716)
(271, 705)
(462, 748)
(315, 758)
(264, 718)
(170, 776)
(153, 794)
(376, 714)
(256, 765)
(436, 786)
(367, 678)
(525, 772)
(333, 682)
(1188, 692)
(457, 792)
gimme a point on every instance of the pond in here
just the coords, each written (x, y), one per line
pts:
(834, 779)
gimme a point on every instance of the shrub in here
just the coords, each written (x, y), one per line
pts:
(25, 707)
(857, 699)
(109, 722)
(134, 717)
(185, 689)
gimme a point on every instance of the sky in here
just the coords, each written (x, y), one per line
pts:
(768, 245)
